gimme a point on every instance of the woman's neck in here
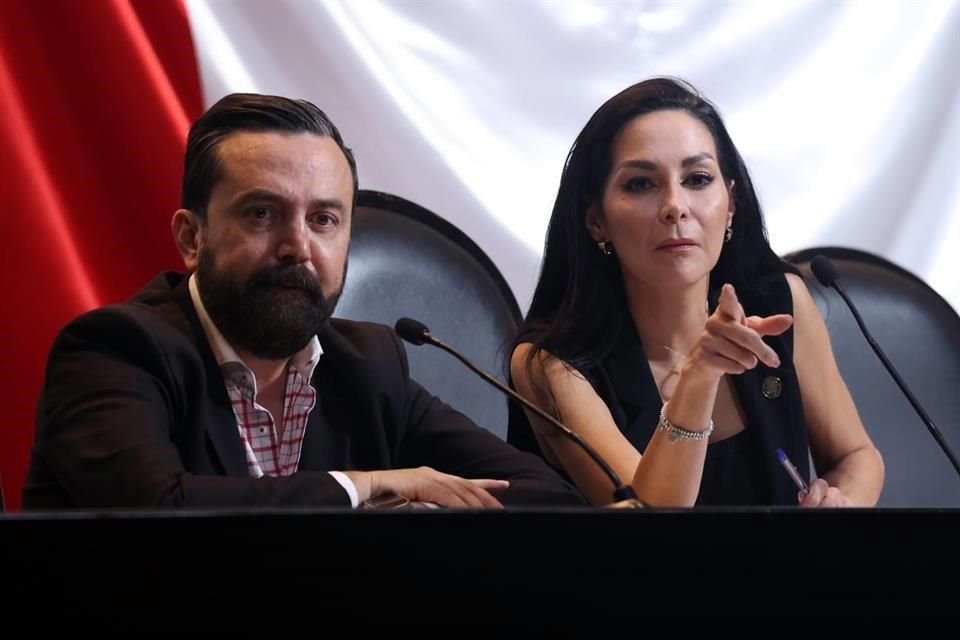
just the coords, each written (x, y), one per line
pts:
(669, 319)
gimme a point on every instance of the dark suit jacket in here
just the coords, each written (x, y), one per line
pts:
(134, 413)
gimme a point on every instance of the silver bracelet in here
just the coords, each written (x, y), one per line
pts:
(677, 433)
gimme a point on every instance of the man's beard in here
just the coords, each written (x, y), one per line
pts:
(273, 315)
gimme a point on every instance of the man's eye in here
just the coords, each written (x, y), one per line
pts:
(260, 213)
(324, 220)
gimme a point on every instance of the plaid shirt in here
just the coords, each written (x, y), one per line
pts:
(269, 453)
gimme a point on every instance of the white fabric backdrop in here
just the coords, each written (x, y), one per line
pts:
(847, 112)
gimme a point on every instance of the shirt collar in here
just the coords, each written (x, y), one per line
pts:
(304, 361)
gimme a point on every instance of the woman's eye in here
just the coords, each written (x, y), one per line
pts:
(699, 179)
(638, 183)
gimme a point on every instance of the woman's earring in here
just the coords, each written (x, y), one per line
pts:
(605, 248)
(729, 234)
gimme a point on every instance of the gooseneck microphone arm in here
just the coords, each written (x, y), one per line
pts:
(417, 333)
(827, 274)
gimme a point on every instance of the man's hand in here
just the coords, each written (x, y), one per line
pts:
(427, 485)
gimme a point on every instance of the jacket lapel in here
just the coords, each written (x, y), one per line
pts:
(326, 443)
(346, 426)
(219, 420)
(221, 424)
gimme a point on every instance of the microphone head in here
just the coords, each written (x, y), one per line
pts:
(412, 331)
(824, 270)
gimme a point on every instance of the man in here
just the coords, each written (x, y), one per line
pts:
(231, 385)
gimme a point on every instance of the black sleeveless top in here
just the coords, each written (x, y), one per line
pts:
(740, 470)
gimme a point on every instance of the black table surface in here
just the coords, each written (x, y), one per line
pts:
(535, 566)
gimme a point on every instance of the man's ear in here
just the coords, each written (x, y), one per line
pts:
(188, 230)
(596, 226)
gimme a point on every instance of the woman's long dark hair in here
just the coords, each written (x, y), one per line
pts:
(579, 305)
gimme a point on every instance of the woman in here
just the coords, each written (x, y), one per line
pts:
(669, 335)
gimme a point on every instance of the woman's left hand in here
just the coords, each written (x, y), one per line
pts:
(822, 494)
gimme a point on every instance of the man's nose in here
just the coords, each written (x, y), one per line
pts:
(294, 245)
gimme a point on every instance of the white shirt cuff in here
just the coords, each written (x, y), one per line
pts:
(348, 486)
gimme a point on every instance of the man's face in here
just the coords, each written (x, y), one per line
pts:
(272, 254)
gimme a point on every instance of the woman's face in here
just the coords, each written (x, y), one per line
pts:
(665, 206)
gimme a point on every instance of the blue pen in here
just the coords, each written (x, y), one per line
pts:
(792, 471)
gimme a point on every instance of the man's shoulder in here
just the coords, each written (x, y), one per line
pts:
(364, 355)
(154, 309)
(361, 336)
(161, 289)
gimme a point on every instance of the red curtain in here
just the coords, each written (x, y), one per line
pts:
(95, 102)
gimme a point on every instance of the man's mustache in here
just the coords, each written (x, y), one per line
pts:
(293, 277)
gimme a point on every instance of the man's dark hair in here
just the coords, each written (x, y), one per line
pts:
(246, 112)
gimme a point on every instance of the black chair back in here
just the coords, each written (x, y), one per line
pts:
(920, 334)
(407, 261)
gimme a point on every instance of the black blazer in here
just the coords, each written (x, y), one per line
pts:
(134, 413)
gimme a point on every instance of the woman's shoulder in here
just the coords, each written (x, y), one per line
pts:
(530, 360)
(800, 294)
(796, 282)
(525, 353)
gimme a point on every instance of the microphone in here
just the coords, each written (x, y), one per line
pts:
(417, 333)
(827, 274)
